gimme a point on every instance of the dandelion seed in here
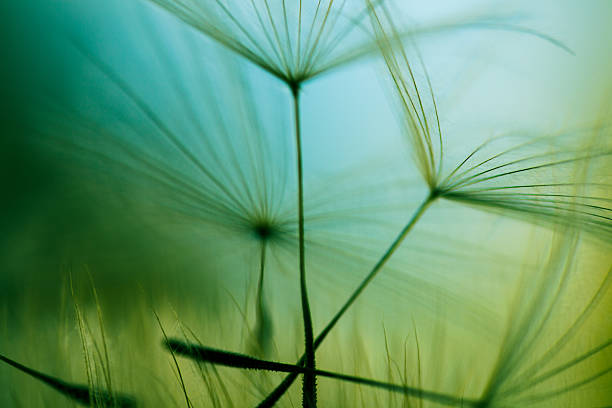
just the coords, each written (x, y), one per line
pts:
(293, 40)
(552, 180)
(532, 178)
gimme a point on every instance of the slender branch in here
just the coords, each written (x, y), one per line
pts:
(238, 360)
(278, 392)
(309, 389)
(83, 394)
(176, 364)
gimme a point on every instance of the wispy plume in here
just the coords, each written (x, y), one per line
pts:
(538, 361)
(535, 178)
(293, 40)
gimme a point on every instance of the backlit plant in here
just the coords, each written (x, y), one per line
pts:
(200, 159)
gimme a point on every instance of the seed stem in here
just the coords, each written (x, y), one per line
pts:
(278, 392)
(260, 285)
(309, 389)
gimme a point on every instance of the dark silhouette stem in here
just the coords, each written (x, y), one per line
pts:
(79, 393)
(262, 323)
(260, 286)
(309, 390)
(238, 360)
(278, 392)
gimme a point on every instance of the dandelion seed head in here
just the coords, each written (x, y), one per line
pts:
(263, 230)
(544, 179)
(292, 40)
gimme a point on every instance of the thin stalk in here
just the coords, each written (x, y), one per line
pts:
(309, 388)
(83, 394)
(278, 392)
(262, 325)
(237, 360)
(262, 263)
(176, 364)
